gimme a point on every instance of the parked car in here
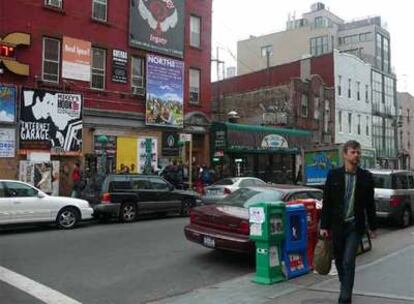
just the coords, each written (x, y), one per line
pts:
(22, 203)
(126, 195)
(394, 195)
(225, 225)
(225, 186)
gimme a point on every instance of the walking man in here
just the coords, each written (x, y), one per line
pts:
(348, 204)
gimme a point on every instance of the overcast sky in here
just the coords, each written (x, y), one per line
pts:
(235, 20)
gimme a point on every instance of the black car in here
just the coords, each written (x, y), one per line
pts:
(127, 195)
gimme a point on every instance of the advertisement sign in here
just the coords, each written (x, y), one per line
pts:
(157, 26)
(165, 92)
(318, 163)
(50, 121)
(126, 154)
(170, 144)
(43, 175)
(147, 154)
(7, 143)
(7, 103)
(76, 59)
(119, 66)
(274, 141)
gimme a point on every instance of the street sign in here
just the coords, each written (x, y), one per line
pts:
(185, 137)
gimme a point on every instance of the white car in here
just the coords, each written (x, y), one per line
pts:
(23, 203)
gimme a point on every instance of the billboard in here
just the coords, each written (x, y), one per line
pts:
(7, 143)
(76, 59)
(317, 165)
(119, 66)
(7, 103)
(157, 25)
(50, 121)
(165, 92)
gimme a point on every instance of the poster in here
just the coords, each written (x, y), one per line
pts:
(51, 121)
(7, 103)
(170, 144)
(76, 59)
(256, 215)
(165, 92)
(7, 143)
(126, 154)
(119, 66)
(157, 26)
(317, 165)
(147, 156)
(42, 175)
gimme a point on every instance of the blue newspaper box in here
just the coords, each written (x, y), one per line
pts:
(294, 249)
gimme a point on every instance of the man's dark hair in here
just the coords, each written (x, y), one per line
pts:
(351, 144)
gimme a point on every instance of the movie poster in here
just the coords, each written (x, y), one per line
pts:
(7, 103)
(51, 121)
(165, 92)
(42, 175)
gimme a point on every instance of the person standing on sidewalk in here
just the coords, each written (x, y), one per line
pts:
(348, 203)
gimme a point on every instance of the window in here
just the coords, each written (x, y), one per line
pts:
(340, 121)
(327, 114)
(365, 36)
(137, 75)
(195, 31)
(194, 86)
(54, 3)
(159, 184)
(51, 60)
(120, 183)
(19, 190)
(339, 85)
(2, 191)
(99, 9)
(98, 68)
(400, 182)
(366, 93)
(358, 90)
(266, 49)
(316, 109)
(321, 22)
(349, 88)
(367, 126)
(319, 45)
(350, 123)
(305, 106)
(408, 116)
(359, 124)
(401, 139)
(139, 183)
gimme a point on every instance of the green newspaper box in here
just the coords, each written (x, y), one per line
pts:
(267, 230)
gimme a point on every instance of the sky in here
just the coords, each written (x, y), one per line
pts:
(235, 20)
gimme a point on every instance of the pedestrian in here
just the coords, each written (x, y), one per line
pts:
(348, 203)
(76, 176)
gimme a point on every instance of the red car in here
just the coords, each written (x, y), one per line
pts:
(225, 225)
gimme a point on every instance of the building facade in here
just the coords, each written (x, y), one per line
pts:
(319, 32)
(406, 130)
(97, 78)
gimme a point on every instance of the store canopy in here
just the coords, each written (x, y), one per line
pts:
(279, 131)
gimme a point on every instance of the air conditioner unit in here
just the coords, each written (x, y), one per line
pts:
(57, 3)
(138, 91)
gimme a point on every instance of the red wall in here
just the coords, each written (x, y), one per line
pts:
(75, 21)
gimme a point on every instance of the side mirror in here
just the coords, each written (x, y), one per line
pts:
(40, 195)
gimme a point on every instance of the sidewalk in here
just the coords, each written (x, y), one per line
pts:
(384, 275)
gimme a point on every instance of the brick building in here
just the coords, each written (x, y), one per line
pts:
(130, 70)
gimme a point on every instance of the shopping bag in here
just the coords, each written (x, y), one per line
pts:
(323, 255)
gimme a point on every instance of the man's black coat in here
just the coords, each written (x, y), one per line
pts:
(332, 216)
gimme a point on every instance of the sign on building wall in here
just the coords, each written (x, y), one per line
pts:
(51, 121)
(7, 103)
(165, 92)
(76, 59)
(7, 143)
(317, 165)
(43, 175)
(157, 26)
(170, 144)
(119, 66)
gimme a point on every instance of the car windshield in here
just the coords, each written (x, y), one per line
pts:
(382, 181)
(225, 182)
(245, 197)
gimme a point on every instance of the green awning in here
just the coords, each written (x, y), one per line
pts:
(279, 131)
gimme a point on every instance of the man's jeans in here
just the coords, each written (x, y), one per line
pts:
(345, 249)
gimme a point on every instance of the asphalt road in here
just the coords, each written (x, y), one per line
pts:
(114, 263)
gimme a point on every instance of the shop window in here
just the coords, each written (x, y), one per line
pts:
(194, 86)
(137, 75)
(51, 60)
(99, 10)
(195, 31)
(98, 69)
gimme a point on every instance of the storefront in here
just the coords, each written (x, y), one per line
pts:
(250, 150)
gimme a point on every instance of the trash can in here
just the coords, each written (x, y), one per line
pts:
(267, 230)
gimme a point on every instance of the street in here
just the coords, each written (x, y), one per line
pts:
(114, 263)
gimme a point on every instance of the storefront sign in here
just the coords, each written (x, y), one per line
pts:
(8, 47)
(119, 66)
(7, 143)
(170, 144)
(220, 139)
(274, 141)
(165, 92)
(157, 26)
(7, 103)
(50, 121)
(76, 59)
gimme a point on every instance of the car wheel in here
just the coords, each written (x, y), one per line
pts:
(128, 212)
(67, 218)
(405, 220)
(186, 205)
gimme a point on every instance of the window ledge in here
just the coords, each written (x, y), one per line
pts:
(106, 23)
(199, 105)
(196, 48)
(54, 9)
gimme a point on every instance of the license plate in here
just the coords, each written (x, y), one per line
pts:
(213, 192)
(209, 242)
